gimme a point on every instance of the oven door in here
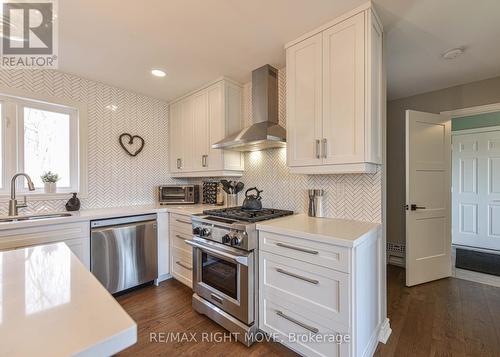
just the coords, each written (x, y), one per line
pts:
(225, 277)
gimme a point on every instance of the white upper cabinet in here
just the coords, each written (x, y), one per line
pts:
(304, 102)
(196, 122)
(334, 97)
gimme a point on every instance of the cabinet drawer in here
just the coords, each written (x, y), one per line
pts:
(181, 223)
(182, 268)
(178, 241)
(300, 331)
(308, 286)
(326, 255)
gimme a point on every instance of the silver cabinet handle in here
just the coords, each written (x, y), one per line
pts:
(312, 281)
(296, 322)
(279, 244)
(325, 153)
(179, 163)
(318, 155)
(181, 221)
(180, 237)
(204, 160)
(184, 265)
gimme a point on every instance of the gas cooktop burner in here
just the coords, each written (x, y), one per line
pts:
(249, 216)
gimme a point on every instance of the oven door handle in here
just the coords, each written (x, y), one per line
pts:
(238, 259)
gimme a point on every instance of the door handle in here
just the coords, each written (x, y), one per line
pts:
(179, 163)
(325, 153)
(414, 207)
(318, 155)
(204, 160)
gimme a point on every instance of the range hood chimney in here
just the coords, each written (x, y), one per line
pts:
(265, 132)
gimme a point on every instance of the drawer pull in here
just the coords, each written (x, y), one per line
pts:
(180, 237)
(312, 281)
(184, 265)
(296, 322)
(297, 248)
(181, 221)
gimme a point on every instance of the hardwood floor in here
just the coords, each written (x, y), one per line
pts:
(167, 309)
(449, 317)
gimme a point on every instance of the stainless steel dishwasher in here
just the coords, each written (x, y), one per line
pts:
(124, 251)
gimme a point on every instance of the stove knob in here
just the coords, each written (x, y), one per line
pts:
(205, 232)
(226, 239)
(196, 231)
(236, 240)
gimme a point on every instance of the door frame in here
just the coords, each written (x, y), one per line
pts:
(457, 113)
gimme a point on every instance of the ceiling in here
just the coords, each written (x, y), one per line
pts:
(195, 41)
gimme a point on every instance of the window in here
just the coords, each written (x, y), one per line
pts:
(37, 137)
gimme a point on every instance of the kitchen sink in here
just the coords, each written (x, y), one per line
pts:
(34, 217)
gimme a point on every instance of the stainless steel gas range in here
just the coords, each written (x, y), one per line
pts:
(225, 267)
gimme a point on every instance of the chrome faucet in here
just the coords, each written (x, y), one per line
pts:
(13, 205)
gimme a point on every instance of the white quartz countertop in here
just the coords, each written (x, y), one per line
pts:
(50, 305)
(100, 213)
(343, 232)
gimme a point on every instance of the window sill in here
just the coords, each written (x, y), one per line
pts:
(40, 196)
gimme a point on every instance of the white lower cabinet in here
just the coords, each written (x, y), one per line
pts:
(320, 299)
(181, 255)
(75, 235)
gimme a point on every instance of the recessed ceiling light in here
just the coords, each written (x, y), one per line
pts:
(158, 73)
(453, 53)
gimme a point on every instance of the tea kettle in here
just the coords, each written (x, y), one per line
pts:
(252, 202)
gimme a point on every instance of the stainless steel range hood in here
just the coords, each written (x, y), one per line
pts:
(265, 132)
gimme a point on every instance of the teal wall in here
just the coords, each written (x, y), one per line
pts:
(476, 121)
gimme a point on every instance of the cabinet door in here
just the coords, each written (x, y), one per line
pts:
(186, 136)
(304, 111)
(344, 91)
(175, 137)
(216, 130)
(199, 140)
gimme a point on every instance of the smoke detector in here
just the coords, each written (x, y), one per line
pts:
(453, 53)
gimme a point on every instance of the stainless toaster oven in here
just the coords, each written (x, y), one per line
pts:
(178, 194)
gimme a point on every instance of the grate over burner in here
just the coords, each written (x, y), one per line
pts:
(245, 215)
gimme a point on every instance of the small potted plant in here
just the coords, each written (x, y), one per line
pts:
(50, 179)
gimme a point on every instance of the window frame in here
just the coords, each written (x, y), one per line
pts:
(13, 103)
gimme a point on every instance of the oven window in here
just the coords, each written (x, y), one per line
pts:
(172, 193)
(220, 274)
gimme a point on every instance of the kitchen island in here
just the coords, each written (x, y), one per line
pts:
(51, 305)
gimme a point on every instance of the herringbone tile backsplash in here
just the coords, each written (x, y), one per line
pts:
(115, 179)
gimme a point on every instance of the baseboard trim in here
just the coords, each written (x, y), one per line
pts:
(476, 277)
(385, 331)
(162, 278)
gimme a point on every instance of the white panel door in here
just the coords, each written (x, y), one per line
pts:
(344, 92)
(303, 102)
(476, 190)
(428, 196)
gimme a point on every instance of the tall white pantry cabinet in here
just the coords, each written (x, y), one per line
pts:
(335, 96)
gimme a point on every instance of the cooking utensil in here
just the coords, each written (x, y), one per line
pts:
(239, 187)
(252, 202)
(226, 186)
